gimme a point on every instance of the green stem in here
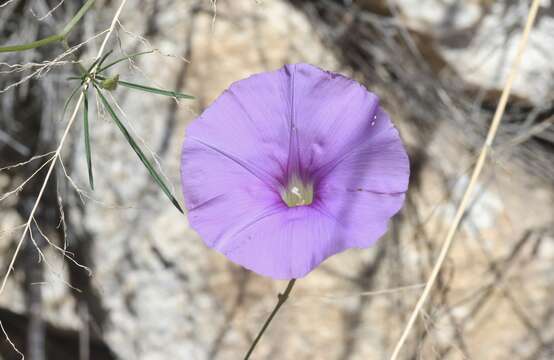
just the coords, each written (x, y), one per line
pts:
(75, 19)
(32, 45)
(282, 298)
(53, 38)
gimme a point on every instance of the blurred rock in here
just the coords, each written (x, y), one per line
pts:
(478, 40)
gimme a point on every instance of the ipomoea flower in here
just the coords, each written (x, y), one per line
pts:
(289, 167)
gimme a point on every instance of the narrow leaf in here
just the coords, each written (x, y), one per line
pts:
(157, 178)
(69, 99)
(101, 61)
(175, 94)
(149, 89)
(132, 56)
(98, 61)
(87, 140)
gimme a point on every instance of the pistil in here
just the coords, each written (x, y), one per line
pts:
(298, 193)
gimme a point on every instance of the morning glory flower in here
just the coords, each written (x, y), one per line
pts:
(289, 167)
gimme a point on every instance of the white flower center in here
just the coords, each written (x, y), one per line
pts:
(297, 193)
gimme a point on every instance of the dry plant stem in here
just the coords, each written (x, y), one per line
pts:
(58, 152)
(475, 175)
(10, 341)
(282, 298)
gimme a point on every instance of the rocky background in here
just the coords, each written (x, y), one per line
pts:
(146, 287)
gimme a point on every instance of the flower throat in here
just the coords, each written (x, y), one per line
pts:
(297, 193)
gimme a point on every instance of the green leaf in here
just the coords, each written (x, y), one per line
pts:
(157, 178)
(132, 56)
(152, 90)
(87, 140)
(69, 99)
(174, 94)
(100, 62)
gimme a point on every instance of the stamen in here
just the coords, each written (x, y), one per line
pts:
(297, 193)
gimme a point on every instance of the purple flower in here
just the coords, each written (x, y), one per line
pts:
(289, 167)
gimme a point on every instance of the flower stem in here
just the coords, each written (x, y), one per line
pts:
(53, 38)
(282, 298)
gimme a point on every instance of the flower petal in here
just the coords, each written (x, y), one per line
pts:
(363, 216)
(379, 165)
(249, 122)
(331, 114)
(286, 245)
(221, 194)
(290, 243)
